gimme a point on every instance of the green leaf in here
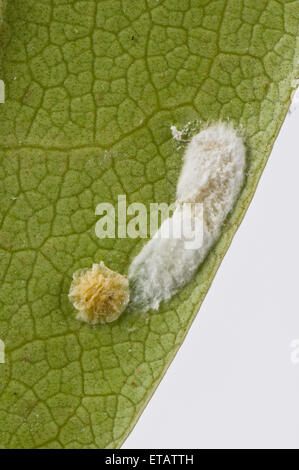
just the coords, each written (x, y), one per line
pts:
(92, 88)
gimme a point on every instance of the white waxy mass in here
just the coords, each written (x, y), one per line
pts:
(211, 179)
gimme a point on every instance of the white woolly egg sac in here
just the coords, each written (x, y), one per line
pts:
(212, 175)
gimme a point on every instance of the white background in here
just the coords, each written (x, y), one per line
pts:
(232, 383)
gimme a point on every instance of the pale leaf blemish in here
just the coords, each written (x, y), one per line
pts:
(176, 134)
(180, 135)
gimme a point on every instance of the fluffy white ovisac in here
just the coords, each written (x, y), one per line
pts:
(212, 174)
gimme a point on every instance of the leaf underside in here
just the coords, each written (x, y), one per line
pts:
(92, 88)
